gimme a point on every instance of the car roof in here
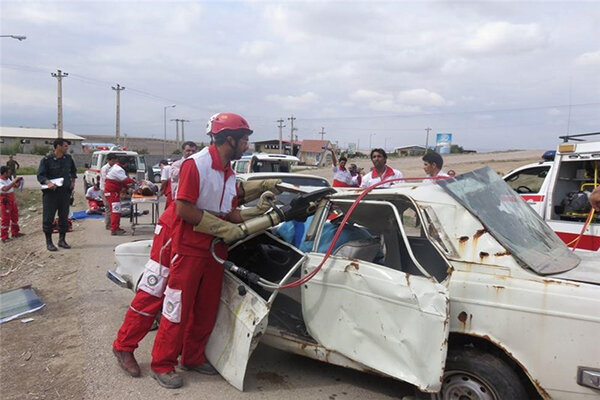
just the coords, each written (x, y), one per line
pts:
(275, 175)
(269, 156)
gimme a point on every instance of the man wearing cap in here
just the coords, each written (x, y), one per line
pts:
(205, 205)
(57, 173)
(381, 171)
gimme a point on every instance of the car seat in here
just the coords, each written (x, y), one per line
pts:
(363, 249)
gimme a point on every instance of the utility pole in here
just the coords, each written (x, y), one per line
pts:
(118, 124)
(322, 133)
(291, 119)
(183, 134)
(59, 122)
(280, 126)
(176, 131)
(427, 140)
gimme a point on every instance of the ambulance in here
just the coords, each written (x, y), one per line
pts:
(558, 190)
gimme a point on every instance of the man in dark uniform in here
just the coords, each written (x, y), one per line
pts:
(57, 195)
(13, 166)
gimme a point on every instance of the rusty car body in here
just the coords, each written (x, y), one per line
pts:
(459, 288)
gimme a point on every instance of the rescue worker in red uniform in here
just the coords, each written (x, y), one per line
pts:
(8, 205)
(205, 204)
(148, 299)
(116, 180)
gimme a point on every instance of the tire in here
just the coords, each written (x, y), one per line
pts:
(156, 178)
(471, 374)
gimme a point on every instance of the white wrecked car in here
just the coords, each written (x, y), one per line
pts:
(458, 288)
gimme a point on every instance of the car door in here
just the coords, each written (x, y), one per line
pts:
(375, 313)
(242, 319)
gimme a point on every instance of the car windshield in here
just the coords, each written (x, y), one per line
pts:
(511, 221)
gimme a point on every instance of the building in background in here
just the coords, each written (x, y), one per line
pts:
(410, 150)
(272, 146)
(313, 152)
(30, 138)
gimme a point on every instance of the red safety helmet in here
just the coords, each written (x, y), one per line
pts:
(227, 122)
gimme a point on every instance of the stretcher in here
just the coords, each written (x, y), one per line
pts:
(139, 201)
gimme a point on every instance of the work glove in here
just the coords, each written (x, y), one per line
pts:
(264, 205)
(220, 228)
(253, 189)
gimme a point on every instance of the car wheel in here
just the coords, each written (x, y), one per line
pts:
(471, 374)
(156, 178)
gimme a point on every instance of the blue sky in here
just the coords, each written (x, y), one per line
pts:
(498, 75)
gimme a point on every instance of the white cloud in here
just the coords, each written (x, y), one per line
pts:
(591, 58)
(257, 48)
(422, 97)
(294, 102)
(506, 38)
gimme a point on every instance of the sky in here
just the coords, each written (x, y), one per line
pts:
(497, 75)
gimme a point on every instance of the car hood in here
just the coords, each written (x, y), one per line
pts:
(588, 270)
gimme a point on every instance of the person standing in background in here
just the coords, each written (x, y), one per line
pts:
(111, 159)
(432, 165)
(341, 176)
(13, 166)
(381, 171)
(116, 180)
(165, 182)
(57, 174)
(8, 205)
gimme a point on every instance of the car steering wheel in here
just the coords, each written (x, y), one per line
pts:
(523, 189)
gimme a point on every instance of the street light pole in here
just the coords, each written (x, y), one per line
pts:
(371, 135)
(18, 37)
(165, 128)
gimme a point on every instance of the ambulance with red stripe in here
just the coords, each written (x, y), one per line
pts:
(558, 190)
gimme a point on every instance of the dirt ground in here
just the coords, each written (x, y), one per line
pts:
(64, 353)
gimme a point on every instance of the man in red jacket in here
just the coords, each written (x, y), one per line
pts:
(205, 202)
(116, 180)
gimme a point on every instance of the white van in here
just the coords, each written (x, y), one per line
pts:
(134, 165)
(558, 191)
(264, 162)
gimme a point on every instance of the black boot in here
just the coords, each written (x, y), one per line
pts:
(49, 245)
(61, 241)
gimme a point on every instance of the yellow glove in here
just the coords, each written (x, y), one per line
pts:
(264, 204)
(253, 189)
(220, 228)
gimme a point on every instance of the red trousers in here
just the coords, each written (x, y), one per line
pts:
(114, 205)
(95, 205)
(145, 306)
(189, 311)
(10, 215)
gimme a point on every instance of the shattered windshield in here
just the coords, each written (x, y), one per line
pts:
(511, 221)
